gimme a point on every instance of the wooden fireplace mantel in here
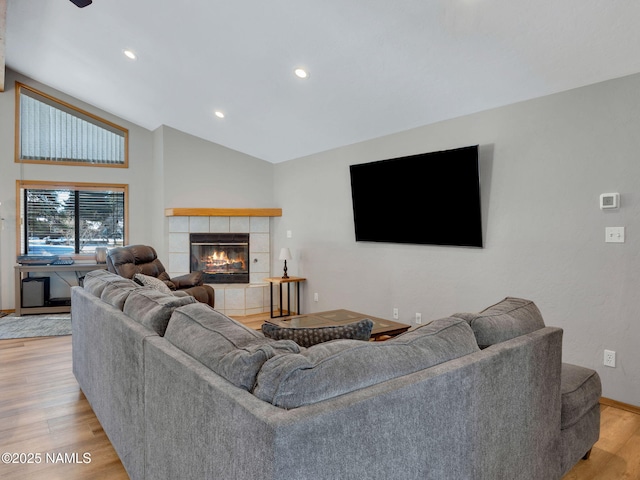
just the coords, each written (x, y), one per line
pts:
(222, 212)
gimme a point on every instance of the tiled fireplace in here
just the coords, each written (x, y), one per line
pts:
(249, 297)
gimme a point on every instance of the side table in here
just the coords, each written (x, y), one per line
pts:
(280, 281)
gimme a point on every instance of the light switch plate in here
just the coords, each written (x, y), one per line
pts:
(614, 234)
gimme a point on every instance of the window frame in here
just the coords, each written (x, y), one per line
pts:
(21, 185)
(65, 106)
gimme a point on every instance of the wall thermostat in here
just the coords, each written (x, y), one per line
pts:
(609, 200)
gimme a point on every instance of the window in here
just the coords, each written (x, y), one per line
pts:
(52, 131)
(71, 219)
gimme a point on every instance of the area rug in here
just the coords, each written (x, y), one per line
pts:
(35, 326)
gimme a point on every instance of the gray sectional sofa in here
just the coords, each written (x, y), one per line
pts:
(184, 392)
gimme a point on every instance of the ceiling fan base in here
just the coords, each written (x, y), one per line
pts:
(81, 3)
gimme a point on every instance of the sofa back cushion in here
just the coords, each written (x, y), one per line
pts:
(96, 281)
(227, 347)
(109, 287)
(503, 321)
(330, 369)
(152, 308)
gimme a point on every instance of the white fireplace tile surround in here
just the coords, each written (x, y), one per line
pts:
(231, 299)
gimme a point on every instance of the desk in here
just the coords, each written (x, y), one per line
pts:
(20, 270)
(279, 281)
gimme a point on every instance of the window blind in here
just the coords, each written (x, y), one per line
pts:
(61, 221)
(51, 131)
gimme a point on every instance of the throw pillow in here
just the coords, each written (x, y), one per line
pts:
(305, 337)
(152, 282)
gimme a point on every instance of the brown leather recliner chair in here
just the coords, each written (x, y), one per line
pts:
(129, 260)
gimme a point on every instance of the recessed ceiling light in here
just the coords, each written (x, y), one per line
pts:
(301, 73)
(130, 54)
(219, 114)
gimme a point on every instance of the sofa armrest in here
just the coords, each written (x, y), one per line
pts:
(192, 279)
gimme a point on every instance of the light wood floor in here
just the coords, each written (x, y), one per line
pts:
(42, 410)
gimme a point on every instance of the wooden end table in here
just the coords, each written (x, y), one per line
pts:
(381, 327)
(288, 281)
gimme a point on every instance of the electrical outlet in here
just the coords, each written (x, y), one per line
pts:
(395, 314)
(315, 297)
(418, 319)
(609, 358)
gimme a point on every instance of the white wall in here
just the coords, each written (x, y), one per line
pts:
(199, 174)
(544, 164)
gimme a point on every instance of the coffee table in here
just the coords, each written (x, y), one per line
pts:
(381, 327)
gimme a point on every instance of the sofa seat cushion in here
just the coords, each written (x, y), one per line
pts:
(580, 389)
(503, 321)
(152, 308)
(330, 369)
(306, 337)
(227, 347)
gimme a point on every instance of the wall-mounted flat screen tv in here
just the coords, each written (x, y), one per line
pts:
(431, 198)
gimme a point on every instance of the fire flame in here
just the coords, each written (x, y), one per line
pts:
(218, 259)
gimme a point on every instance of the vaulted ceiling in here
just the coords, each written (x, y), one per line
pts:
(376, 66)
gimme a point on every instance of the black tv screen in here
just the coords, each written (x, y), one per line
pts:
(431, 198)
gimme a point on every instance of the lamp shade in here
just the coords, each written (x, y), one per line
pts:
(285, 254)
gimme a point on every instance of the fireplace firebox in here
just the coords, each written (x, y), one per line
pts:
(222, 257)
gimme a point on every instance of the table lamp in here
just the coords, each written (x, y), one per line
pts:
(285, 255)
